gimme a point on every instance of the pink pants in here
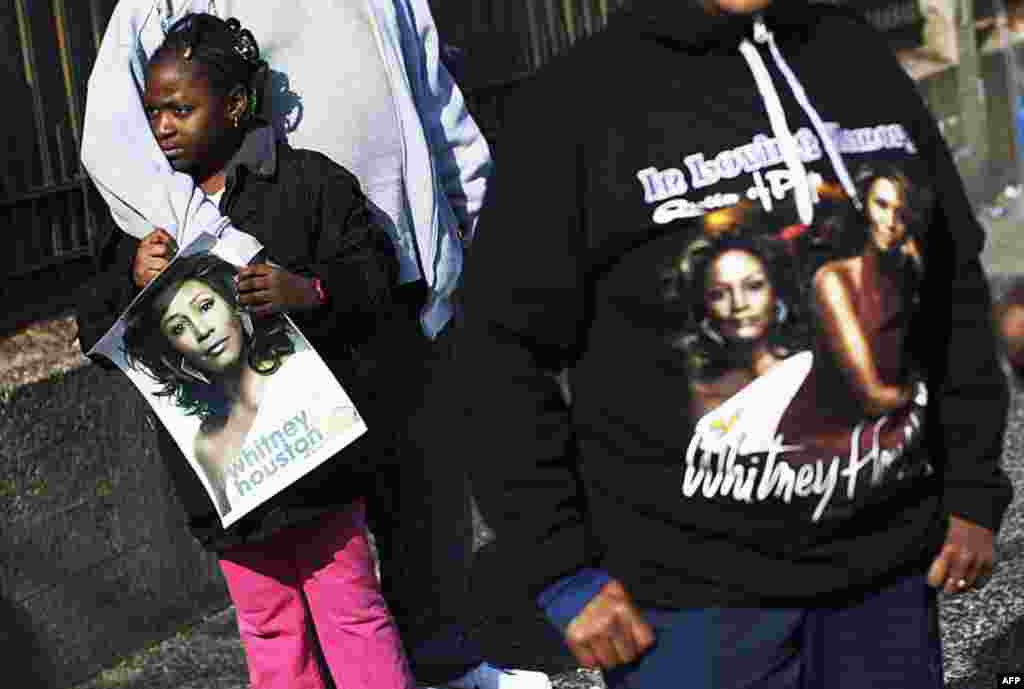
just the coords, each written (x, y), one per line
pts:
(321, 571)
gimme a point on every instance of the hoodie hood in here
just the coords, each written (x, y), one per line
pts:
(689, 26)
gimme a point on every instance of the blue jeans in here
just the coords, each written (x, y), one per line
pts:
(888, 639)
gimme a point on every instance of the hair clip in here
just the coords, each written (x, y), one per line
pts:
(245, 42)
(246, 47)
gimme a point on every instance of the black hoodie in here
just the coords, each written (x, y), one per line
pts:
(762, 268)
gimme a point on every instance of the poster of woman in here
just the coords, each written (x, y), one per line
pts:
(227, 386)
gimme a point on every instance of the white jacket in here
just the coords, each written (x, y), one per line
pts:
(447, 162)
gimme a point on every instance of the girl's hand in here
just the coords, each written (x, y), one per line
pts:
(264, 289)
(155, 251)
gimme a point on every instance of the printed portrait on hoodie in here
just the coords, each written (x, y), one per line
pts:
(793, 335)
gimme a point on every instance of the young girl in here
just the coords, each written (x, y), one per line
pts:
(303, 557)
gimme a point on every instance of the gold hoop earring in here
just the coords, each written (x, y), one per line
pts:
(236, 120)
(246, 318)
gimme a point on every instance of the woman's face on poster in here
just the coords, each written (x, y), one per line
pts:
(885, 211)
(201, 325)
(739, 296)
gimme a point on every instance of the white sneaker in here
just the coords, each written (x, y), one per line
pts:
(486, 676)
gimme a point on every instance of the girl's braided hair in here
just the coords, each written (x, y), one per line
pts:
(225, 53)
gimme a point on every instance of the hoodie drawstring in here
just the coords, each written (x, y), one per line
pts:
(780, 128)
(819, 125)
(777, 117)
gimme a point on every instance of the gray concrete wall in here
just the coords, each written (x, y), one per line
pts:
(95, 560)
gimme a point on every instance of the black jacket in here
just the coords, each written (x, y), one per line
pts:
(312, 219)
(624, 164)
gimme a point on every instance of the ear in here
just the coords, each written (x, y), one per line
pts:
(238, 104)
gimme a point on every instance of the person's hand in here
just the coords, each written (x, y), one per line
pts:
(264, 289)
(966, 558)
(153, 254)
(609, 631)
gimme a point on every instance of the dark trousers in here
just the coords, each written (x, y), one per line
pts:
(419, 507)
(446, 600)
(886, 640)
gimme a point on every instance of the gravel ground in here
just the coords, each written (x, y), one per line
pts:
(983, 631)
(209, 656)
(39, 351)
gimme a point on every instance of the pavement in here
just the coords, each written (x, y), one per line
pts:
(982, 631)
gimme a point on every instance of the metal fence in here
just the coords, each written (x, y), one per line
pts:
(48, 210)
(498, 45)
(503, 41)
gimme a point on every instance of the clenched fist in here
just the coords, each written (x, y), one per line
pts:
(154, 253)
(609, 631)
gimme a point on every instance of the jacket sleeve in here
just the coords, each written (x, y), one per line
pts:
(971, 398)
(965, 378)
(118, 148)
(461, 155)
(564, 600)
(968, 390)
(524, 301)
(352, 254)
